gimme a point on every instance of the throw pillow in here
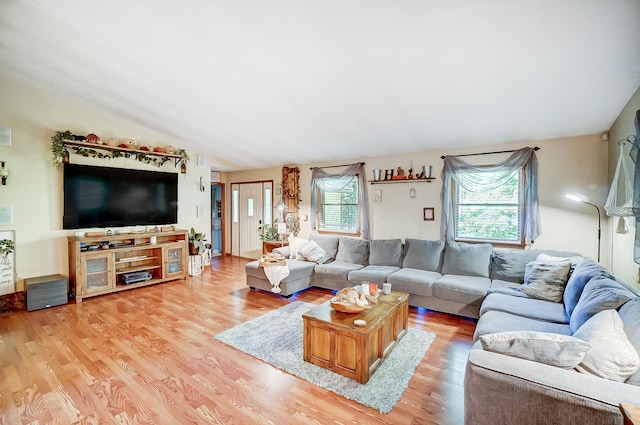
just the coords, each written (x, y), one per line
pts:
(630, 315)
(467, 259)
(385, 252)
(313, 252)
(546, 280)
(353, 250)
(295, 243)
(422, 254)
(611, 356)
(553, 349)
(584, 271)
(598, 295)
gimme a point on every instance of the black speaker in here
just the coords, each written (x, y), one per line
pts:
(46, 291)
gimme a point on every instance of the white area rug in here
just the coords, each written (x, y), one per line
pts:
(276, 338)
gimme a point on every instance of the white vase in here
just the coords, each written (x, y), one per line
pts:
(426, 171)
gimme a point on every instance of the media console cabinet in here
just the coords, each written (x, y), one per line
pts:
(101, 265)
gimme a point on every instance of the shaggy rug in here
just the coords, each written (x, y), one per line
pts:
(276, 338)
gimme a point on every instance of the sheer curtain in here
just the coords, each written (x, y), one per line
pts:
(320, 179)
(455, 169)
(635, 151)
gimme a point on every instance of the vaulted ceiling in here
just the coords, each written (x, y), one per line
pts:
(266, 83)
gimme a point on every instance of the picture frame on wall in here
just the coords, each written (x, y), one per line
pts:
(429, 214)
(7, 262)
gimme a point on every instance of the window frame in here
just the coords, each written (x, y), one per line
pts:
(495, 242)
(321, 204)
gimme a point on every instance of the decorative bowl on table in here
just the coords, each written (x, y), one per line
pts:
(350, 300)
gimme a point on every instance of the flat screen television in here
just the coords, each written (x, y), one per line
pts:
(116, 197)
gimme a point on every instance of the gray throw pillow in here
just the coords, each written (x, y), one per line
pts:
(423, 254)
(546, 280)
(549, 348)
(385, 252)
(598, 295)
(611, 355)
(467, 259)
(586, 270)
(354, 251)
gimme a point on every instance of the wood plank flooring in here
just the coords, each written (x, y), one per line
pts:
(148, 356)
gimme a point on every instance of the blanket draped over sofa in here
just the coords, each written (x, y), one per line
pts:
(557, 337)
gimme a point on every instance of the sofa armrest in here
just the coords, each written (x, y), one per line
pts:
(283, 250)
(501, 389)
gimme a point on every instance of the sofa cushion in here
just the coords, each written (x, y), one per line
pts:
(385, 252)
(313, 252)
(611, 356)
(462, 289)
(546, 280)
(327, 242)
(553, 349)
(509, 264)
(337, 269)
(375, 274)
(598, 295)
(527, 307)
(630, 315)
(423, 254)
(352, 250)
(584, 271)
(413, 281)
(467, 259)
(499, 321)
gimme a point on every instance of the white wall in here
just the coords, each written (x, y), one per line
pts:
(621, 259)
(566, 165)
(34, 188)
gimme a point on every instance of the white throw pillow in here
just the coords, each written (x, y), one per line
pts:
(313, 252)
(611, 356)
(553, 349)
(295, 243)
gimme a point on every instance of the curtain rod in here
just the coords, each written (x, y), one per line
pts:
(333, 166)
(487, 153)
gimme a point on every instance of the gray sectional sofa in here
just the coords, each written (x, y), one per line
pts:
(536, 361)
(448, 277)
(557, 339)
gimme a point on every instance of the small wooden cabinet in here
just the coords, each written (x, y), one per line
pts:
(99, 264)
(268, 246)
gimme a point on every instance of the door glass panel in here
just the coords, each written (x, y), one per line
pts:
(250, 207)
(234, 206)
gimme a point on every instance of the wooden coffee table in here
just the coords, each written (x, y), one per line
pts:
(332, 341)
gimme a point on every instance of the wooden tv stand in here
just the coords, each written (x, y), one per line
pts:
(98, 264)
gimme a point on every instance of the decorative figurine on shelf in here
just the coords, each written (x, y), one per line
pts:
(410, 176)
(400, 171)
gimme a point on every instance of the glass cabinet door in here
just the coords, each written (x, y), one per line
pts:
(99, 270)
(174, 260)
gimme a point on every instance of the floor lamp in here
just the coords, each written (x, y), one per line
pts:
(578, 199)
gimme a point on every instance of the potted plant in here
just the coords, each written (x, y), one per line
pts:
(59, 154)
(184, 160)
(293, 224)
(6, 248)
(270, 232)
(196, 242)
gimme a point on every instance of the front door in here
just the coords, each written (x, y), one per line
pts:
(251, 205)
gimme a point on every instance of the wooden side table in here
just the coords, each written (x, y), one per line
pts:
(630, 413)
(268, 246)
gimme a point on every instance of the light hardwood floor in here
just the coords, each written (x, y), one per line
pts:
(148, 356)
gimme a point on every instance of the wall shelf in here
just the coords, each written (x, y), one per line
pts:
(426, 180)
(78, 146)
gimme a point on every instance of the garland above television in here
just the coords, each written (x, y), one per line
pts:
(92, 146)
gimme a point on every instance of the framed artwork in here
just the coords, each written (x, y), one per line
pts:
(429, 214)
(376, 195)
(5, 136)
(7, 262)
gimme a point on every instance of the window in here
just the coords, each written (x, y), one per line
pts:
(338, 211)
(491, 214)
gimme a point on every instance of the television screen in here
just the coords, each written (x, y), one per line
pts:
(115, 197)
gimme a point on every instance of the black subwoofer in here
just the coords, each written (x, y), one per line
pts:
(46, 291)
